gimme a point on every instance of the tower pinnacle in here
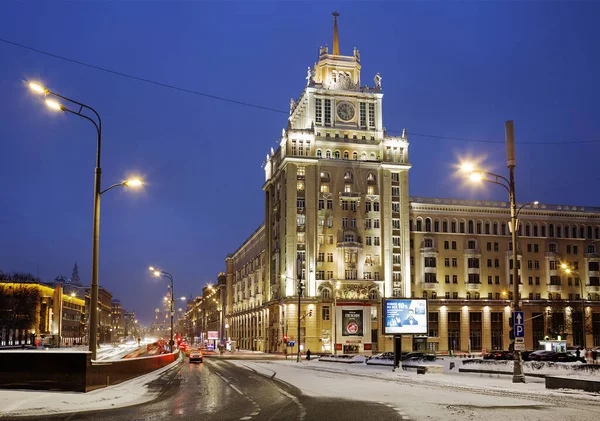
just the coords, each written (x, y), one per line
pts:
(336, 43)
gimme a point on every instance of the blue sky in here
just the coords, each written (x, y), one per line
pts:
(449, 69)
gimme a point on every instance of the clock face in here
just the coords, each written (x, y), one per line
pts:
(345, 111)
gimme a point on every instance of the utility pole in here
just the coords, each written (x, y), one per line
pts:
(511, 162)
(300, 290)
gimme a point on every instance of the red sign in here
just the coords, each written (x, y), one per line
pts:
(368, 347)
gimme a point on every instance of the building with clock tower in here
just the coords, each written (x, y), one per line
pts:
(336, 196)
(339, 218)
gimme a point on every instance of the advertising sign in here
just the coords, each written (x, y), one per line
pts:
(352, 322)
(405, 316)
(212, 334)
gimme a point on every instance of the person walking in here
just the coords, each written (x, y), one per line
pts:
(594, 356)
(308, 355)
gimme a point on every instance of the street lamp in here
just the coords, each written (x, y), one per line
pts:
(56, 106)
(509, 185)
(158, 272)
(335, 291)
(569, 271)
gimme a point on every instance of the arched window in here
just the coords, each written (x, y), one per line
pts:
(574, 231)
(551, 229)
(436, 225)
(582, 232)
(559, 231)
(424, 294)
(419, 224)
(567, 231)
(346, 155)
(336, 155)
(543, 230)
(326, 293)
(468, 295)
(528, 229)
(319, 153)
(445, 225)
(355, 156)
(363, 156)
(348, 177)
(324, 176)
(373, 294)
(372, 156)
(478, 226)
(536, 229)
(597, 229)
(589, 232)
(371, 177)
(428, 224)
(328, 154)
(410, 224)
(471, 228)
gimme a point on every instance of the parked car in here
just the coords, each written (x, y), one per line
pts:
(418, 356)
(382, 356)
(542, 355)
(498, 355)
(195, 356)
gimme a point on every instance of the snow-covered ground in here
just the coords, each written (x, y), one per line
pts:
(105, 352)
(449, 396)
(30, 403)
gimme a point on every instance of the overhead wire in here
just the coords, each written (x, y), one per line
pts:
(261, 107)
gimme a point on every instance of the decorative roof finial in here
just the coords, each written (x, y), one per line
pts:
(336, 43)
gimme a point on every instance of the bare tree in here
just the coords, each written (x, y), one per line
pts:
(18, 306)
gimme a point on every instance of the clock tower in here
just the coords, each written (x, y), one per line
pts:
(336, 202)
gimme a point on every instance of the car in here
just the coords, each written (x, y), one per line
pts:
(418, 356)
(195, 356)
(498, 355)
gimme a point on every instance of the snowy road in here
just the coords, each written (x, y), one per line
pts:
(435, 396)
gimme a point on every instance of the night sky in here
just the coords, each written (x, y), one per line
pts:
(457, 70)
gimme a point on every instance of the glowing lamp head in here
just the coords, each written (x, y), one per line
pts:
(37, 88)
(536, 203)
(563, 265)
(156, 273)
(134, 182)
(567, 271)
(475, 176)
(467, 167)
(54, 105)
(151, 268)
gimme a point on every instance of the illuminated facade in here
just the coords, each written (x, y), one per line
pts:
(337, 201)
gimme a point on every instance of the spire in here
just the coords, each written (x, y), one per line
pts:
(336, 44)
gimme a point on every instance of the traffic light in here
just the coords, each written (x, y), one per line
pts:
(310, 313)
(511, 325)
(285, 338)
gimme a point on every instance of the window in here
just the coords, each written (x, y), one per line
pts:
(329, 204)
(447, 279)
(363, 114)
(471, 244)
(446, 245)
(496, 247)
(489, 263)
(328, 111)
(325, 312)
(447, 262)
(454, 245)
(433, 322)
(430, 262)
(489, 246)
(454, 262)
(428, 242)
(372, 115)
(368, 240)
(330, 257)
(321, 204)
(375, 222)
(300, 204)
(490, 280)
(536, 248)
(321, 257)
(455, 279)
(376, 241)
(497, 280)
(430, 278)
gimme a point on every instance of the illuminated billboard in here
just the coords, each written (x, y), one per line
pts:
(352, 322)
(212, 334)
(404, 316)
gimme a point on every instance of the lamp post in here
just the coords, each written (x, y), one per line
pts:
(157, 272)
(509, 185)
(56, 106)
(569, 271)
(300, 291)
(335, 291)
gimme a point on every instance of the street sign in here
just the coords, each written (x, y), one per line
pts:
(520, 340)
(519, 347)
(519, 319)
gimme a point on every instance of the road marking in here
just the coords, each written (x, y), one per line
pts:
(236, 389)
(246, 418)
(404, 417)
(255, 413)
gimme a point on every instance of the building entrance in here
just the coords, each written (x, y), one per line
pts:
(351, 349)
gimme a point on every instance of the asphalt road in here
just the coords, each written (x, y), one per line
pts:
(217, 389)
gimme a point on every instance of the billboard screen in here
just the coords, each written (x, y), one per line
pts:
(212, 334)
(352, 322)
(404, 316)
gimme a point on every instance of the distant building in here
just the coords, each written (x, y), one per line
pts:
(117, 321)
(34, 311)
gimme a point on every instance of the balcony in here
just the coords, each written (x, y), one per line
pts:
(473, 252)
(350, 244)
(473, 286)
(352, 195)
(429, 250)
(591, 255)
(430, 285)
(428, 269)
(554, 288)
(592, 288)
(553, 254)
(473, 271)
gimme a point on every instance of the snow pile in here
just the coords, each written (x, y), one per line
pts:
(31, 403)
(542, 368)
